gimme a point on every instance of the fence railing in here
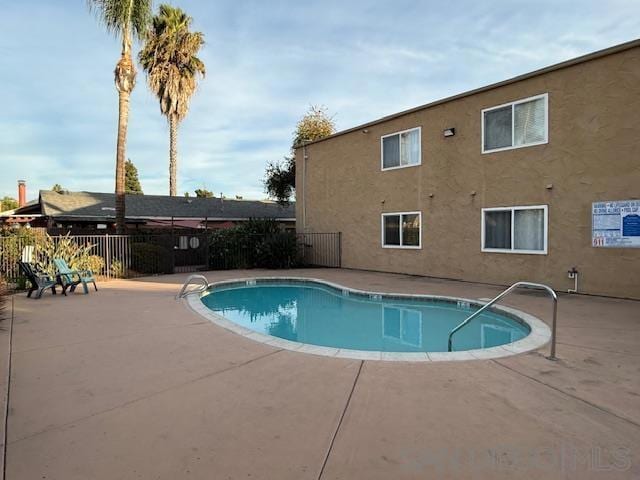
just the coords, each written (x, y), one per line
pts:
(320, 249)
(127, 256)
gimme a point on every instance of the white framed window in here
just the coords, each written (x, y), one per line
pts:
(402, 230)
(401, 149)
(515, 229)
(518, 124)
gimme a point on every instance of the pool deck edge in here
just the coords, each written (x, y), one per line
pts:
(538, 337)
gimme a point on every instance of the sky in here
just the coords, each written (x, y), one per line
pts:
(267, 62)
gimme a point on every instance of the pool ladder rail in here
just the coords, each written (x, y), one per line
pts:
(539, 286)
(204, 284)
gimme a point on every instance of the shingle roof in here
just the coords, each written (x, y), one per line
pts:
(92, 205)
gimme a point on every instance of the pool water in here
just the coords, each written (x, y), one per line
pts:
(317, 314)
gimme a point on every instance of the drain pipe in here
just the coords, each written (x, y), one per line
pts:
(573, 273)
(305, 157)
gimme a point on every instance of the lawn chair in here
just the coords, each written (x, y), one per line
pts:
(38, 279)
(71, 278)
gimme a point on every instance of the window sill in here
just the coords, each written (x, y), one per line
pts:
(403, 247)
(525, 252)
(400, 166)
(504, 149)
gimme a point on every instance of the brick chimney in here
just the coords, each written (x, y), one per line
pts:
(22, 193)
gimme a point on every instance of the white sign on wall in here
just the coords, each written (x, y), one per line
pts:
(616, 224)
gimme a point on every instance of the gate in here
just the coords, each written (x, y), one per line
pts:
(190, 251)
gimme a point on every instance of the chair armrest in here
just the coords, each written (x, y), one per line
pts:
(43, 276)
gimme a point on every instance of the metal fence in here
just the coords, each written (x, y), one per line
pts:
(128, 256)
(320, 249)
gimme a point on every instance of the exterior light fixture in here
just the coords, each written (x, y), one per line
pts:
(449, 132)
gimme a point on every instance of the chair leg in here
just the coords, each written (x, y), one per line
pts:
(53, 290)
(40, 292)
(31, 290)
(85, 288)
(95, 286)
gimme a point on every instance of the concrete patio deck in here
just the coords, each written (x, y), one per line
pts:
(129, 383)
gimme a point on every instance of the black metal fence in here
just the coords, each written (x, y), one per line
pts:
(129, 256)
(237, 250)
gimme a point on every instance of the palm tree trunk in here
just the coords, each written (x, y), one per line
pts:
(125, 79)
(123, 120)
(173, 154)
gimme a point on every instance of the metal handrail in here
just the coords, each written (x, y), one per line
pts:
(549, 290)
(203, 287)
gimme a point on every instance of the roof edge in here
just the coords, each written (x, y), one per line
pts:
(541, 71)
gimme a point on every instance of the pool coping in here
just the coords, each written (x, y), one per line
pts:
(538, 337)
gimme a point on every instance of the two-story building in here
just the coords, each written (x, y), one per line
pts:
(526, 179)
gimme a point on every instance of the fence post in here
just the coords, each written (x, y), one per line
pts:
(107, 256)
(339, 249)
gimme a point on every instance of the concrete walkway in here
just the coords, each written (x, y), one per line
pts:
(129, 383)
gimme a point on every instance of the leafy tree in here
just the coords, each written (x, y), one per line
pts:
(314, 125)
(57, 188)
(203, 193)
(8, 203)
(172, 67)
(280, 177)
(131, 181)
(126, 19)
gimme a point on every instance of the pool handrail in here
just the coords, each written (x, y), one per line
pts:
(540, 286)
(204, 285)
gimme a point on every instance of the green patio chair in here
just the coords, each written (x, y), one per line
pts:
(69, 278)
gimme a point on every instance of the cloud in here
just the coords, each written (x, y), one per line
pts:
(266, 63)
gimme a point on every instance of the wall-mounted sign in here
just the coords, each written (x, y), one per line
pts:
(616, 224)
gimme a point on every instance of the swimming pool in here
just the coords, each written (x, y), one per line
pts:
(328, 319)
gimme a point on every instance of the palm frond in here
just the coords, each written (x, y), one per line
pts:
(170, 62)
(120, 15)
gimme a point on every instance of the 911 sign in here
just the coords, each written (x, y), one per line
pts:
(616, 224)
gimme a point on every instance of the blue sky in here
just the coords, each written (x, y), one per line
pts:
(267, 62)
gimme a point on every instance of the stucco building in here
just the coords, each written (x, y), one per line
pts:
(525, 179)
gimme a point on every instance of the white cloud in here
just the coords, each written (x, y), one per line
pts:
(266, 63)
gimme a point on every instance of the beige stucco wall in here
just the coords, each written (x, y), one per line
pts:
(593, 154)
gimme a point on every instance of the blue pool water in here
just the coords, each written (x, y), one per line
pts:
(316, 314)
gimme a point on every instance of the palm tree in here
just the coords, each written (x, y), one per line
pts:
(126, 19)
(169, 59)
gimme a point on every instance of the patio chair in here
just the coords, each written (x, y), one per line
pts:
(66, 278)
(38, 279)
(71, 278)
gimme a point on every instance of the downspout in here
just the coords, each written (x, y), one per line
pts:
(304, 187)
(304, 182)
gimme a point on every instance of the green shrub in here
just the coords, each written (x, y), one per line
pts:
(4, 299)
(117, 269)
(149, 258)
(230, 248)
(95, 263)
(49, 248)
(12, 242)
(277, 251)
(256, 243)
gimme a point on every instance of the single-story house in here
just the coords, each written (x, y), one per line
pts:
(533, 178)
(90, 211)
